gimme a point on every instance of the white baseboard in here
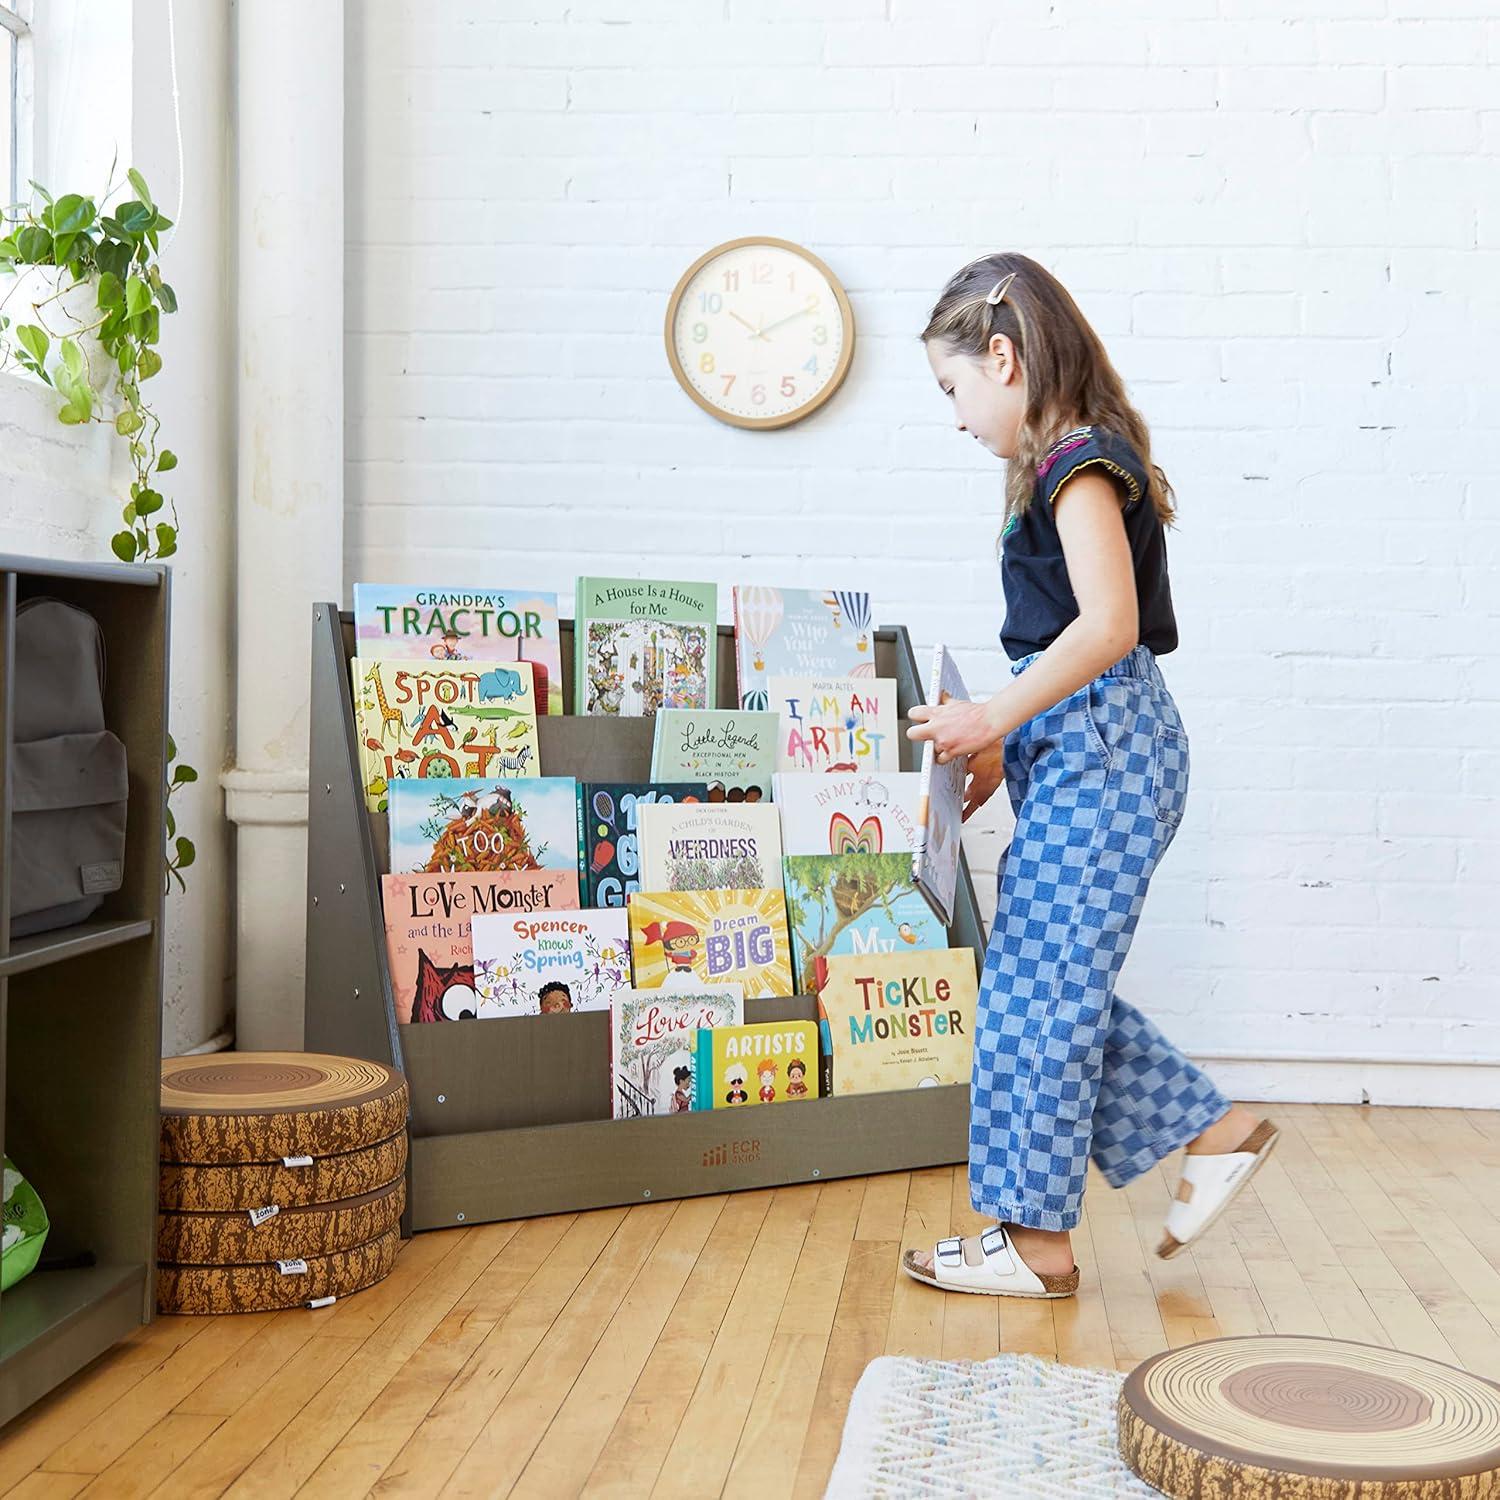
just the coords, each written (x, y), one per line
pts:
(1427, 1082)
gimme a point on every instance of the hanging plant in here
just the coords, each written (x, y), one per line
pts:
(89, 330)
(97, 350)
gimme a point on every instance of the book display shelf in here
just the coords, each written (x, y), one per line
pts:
(80, 1014)
(511, 1118)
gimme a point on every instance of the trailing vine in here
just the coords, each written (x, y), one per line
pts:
(107, 350)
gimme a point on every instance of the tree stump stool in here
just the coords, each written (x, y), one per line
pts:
(1281, 1417)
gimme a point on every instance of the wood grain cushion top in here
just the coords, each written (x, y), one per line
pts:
(1285, 1417)
(261, 1288)
(259, 1106)
(246, 1236)
(320, 1179)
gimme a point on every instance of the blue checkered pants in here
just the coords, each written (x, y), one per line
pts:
(1064, 1069)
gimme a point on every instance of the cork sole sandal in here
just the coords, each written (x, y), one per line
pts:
(1000, 1273)
(1210, 1184)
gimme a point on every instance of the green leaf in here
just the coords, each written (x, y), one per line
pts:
(127, 422)
(186, 854)
(139, 184)
(33, 245)
(72, 415)
(148, 364)
(166, 460)
(166, 548)
(72, 358)
(71, 214)
(134, 218)
(183, 774)
(147, 503)
(137, 296)
(122, 544)
(34, 341)
(167, 297)
(39, 190)
(111, 293)
(171, 823)
(113, 257)
(171, 748)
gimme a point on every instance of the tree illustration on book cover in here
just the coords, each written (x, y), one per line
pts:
(653, 1035)
(855, 903)
(636, 667)
(467, 823)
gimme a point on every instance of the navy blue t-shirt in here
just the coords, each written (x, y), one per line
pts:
(1039, 602)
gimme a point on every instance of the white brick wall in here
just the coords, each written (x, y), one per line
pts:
(1284, 220)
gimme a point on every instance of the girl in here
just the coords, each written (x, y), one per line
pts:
(1089, 740)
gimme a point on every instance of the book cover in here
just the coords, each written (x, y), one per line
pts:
(728, 745)
(940, 809)
(868, 814)
(428, 934)
(542, 963)
(709, 846)
(653, 1034)
(419, 721)
(767, 1062)
(689, 939)
(454, 623)
(799, 633)
(469, 823)
(898, 1020)
(640, 645)
(608, 845)
(839, 724)
(854, 903)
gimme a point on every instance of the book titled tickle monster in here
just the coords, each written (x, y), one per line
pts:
(799, 633)
(653, 1038)
(897, 1020)
(463, 624)
(419, 720)
(709, 846)
(727, 745)
(472, 824)
(688, 939)
(839, 724)
(642, 644)
(767, 1062)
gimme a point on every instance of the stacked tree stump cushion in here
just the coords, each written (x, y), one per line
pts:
(282, 1179)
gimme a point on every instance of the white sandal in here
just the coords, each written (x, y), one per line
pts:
(1001, 1273)
(1209, 1185)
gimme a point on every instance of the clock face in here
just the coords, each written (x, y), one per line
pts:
(759, 333)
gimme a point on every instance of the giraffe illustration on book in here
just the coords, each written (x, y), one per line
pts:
(388, 715)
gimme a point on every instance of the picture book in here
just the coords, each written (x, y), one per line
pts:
(799, 633)
(709, 846)
(420, 720)
(845, 725)
(940, 811)
(640, 645)
(868, 814)
(728, 745)
(686, 939)
(470, 823)
(454, 623)
(428, 933)
(854, 903)
(607, 832)
(768, 1062)
(898, 1020)
(546, 962)
(653, 1039)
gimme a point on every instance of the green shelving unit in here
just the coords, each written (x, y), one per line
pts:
(80, 1015)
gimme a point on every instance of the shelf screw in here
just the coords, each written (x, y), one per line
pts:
(816, 1172)
(315, 900)
(327, 786)
(356, 992)
(460, 1218)
(442, 1098)
(317, 614)
(341, 887)
(647, 1193)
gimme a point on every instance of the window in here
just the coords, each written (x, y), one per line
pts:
(15, 98)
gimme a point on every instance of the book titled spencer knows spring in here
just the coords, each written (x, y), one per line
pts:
(642, 644)
(455, 623)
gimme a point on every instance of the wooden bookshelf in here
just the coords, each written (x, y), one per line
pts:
(80, 1014)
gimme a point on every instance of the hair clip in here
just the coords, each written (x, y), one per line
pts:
(998, 291)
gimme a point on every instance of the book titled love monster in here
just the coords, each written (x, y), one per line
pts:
(898, 1020)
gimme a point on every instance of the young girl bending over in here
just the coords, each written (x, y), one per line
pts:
(1095, 757)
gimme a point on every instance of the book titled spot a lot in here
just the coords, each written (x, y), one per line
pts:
(897, 1020)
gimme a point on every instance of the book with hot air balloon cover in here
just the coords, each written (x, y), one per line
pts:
(608, 832)
(734, 746)
(799, 633)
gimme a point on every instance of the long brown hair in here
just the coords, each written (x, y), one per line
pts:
(1069, 377)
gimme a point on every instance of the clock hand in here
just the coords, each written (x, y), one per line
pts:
(748, 324)
(777, 324)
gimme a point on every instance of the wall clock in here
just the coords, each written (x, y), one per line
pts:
(759, 332)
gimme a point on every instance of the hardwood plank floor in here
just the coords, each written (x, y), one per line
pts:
(709, 1347)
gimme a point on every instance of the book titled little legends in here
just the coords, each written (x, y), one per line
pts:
(716, 744)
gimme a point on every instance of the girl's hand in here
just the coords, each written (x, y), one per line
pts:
(986, 776)
(954, 728)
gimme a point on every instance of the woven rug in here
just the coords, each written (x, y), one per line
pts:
(1012, 1428)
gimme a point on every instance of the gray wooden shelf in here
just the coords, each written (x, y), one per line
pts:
(80, 1014)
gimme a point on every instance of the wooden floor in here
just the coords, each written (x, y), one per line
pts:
(709, 1346)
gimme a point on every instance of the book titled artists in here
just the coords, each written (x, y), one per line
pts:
(428, 720)
(642, 644)
(898, 1020)
(766, 1062)
(455, 623)
(653, 1045)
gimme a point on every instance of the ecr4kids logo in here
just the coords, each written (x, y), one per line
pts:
(732, 1154)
